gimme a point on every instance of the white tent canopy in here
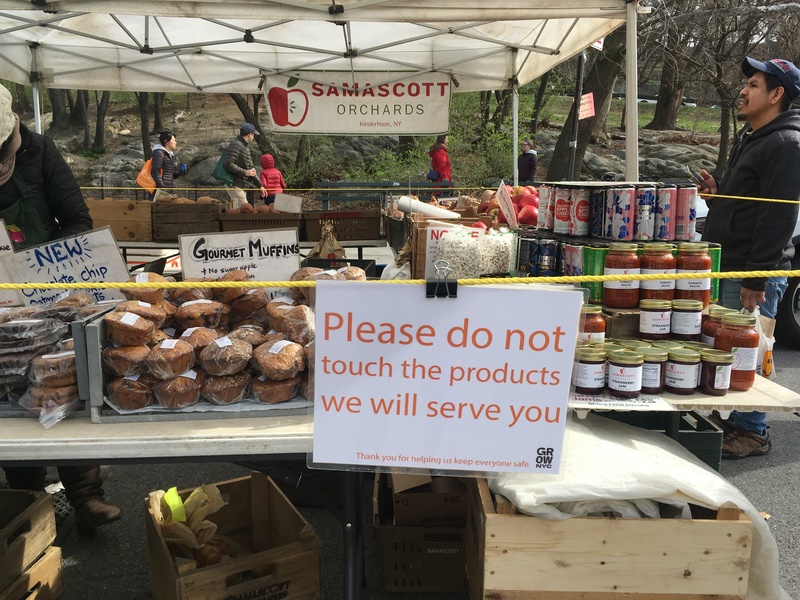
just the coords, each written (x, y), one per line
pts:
(230, 46)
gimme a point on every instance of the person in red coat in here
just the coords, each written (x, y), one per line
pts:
(440, 160)
(271, 178)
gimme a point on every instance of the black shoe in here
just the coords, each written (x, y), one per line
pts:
(94, 513)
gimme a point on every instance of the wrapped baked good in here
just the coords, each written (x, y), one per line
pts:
(353, 273)
(273, 336)
(15, 313)
(268, 391)
(145, 294)
(33, 344)
(66, 344)
(253, 335)
(297, 322)
(199, 338)
(66, 313)
(200, 313)
(54, 370)
(329, 275)
(21, 329)
(178, 392)
(132, 392)
(307, 386)
(227, 295)
(169, 309)
(18, 364)
(302, 274)
(158, 336)
(75, 298)
(47, 397)
(277, 307)
(93, 309)
(225, 356)
(280, 360)
(127, 329)
(249, 303)
(187, 294)
(151, 312)
(226, 389)
(169, 359)
(124, 361)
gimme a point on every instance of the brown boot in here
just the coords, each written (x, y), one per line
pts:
(93, 513)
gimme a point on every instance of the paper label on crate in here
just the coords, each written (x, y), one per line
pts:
(169, 344)
(223, 342)
(415, 387)
(129, 318)
(278, 346)
(265, 255)
(7, 297)
(87, 257)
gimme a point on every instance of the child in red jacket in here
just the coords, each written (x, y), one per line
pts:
(271, 178)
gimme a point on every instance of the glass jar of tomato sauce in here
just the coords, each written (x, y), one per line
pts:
(712, 322)
(693, 257)
(592, 324)
(737, 335)
(657, 258)
(621, 260)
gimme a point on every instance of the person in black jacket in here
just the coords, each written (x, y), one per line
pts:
(163, 164)
(757, 235)
(40, 196)
(526, 162)
(239, 163)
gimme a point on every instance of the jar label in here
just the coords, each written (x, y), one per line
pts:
(722, 377)
(621, 285)
(589, 375)
(707, 339)
(651, 375)
(682, 376)
(625, 378)
(658, 284)
(592, 337)
(695, 285)
(687, 323)
(654, 322)
(744, 359)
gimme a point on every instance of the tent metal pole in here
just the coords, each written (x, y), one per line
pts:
(515, 104)
(631, 97)
(576, 105)
(37, 109)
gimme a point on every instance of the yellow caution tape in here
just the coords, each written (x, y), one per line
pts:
(175, 504)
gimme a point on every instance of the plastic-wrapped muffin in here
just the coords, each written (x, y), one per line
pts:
(181, 295)
(178, 392)
(127, 329)
(353, 273)
(169, 309)
(249, 303)
(268, 391)
(93, 309)
(297, 322)
(133, 392)
(199, 338)
(227, 295)
(76, 298)
(302, 274)
(151, 312)
(226, 389)
(20, 329)
(66, 344)
(124, 361)
(200, 313)
(280, 360)
(329, 275)
(18, 364)
(45, 397)
(54, 370)
(169, 359)
(225, 356)
(251, 334)
(146, 294)
(158, 336)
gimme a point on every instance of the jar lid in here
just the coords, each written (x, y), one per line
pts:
(591, 309)
(684, 304)
(622, 247)
(738, 318)
(635, 344)
(718, 356)
(626, 357)
(699, 346)
(684, 354)
(658, 247)
(589, 353)
(659, 304)
(693, 247)
(718, 311)
(667, 344)
(607, 348)
(654, 353)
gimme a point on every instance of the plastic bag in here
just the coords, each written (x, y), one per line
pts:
(765, 363)
(144, 179)
(220, 173)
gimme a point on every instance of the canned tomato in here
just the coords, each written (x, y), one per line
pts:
(622, 213)
(664, 228)
(561, 209)
(685, 212)
(644, 219)
(579, 211)
(545, 207)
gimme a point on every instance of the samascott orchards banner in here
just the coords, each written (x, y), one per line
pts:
(359, 103)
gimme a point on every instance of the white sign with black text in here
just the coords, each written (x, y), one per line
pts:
(7, 297)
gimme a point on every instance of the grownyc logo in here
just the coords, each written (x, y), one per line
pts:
(544, 458)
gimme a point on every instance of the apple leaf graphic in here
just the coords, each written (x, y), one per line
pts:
(292, 81)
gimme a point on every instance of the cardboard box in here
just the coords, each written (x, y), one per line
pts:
(27, 528)
(419, 226)
(130, 220)
(41, 581)
(422, 500)
(288, 204)
(417, 559)
(286, 559)
(514, 556)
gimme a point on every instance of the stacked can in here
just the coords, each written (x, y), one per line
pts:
(562, 200)
(572, 259)
(545, 207)
(608, 215)
(526, 253)
(547, 262)
(623, 213)
(597, 212)
(715, 251)
(579, 211)
(685, 212)
(644, 214)
(594, 258)
(666, 198)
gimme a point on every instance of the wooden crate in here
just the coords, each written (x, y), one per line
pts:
(27, 528)
(41, 581)
(514, 556)
(171, 220)
(286, 559)
(256, 221)
(347, 225)
(130, 221)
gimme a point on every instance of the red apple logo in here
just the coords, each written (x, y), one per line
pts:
(288, 106)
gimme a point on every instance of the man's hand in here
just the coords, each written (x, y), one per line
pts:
(751, 298)
(709, 183)
(250, 173)
(263, 192)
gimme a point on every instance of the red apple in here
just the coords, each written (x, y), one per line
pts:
(528, 215)
(494, 212)
(517, 197)
(479, 225)
(531, 189)
(482, 208)
(529, 200)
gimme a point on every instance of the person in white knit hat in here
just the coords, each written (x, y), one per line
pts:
(40, 201)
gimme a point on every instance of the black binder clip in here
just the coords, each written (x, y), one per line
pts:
(442, 286)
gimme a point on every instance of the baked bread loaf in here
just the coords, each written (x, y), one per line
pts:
(226, 389)
(280, 360)
(249, 303)
(151, 312)
(227, 295)
(21, 329)
(54, 370)
(124, 361)
(297, 322)
(133, 392)
(200, 313)
(169, 359)
(329, 275)
(93, 309)
(199, 338)
(145, 294)
(267, 391)
(66, 344)
(302, 274)
(46, 397)
(225, 356)
(158, 336)
(178, 392)
(18, 364)
(181, 295)
(76, 298)
(169, 310)
(353, 273)
(253, 335)
(127, 329)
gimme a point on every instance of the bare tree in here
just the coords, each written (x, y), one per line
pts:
(59, 108)
(100, 127)
(144, 118)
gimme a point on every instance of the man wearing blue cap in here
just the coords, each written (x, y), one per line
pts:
(239, 162)
(757, 235)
